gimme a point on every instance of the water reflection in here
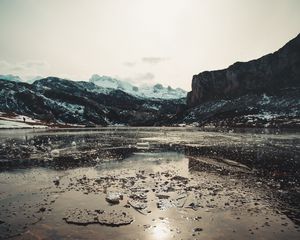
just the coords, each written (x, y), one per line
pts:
(184, 179)
(160, 231)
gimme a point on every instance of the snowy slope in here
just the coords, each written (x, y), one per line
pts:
(11, 120)
(156, 91)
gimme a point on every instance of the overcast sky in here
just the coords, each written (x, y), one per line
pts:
(143, 41)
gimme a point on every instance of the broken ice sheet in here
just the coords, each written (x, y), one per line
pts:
(85, 217)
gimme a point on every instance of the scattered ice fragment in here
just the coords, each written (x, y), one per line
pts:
(114, 197)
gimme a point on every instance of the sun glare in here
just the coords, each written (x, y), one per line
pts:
(161, 232)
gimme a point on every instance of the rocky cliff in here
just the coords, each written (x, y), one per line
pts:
(268, 74)
(260, 93)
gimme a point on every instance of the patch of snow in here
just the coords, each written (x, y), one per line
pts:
(150, 106)
(265, 99)
(18, 118)
(5, 124)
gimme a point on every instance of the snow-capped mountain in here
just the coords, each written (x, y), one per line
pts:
(155, 91)
(62, 101)
(15, 78)
(105, 84)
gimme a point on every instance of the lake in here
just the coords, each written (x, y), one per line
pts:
(149, 183)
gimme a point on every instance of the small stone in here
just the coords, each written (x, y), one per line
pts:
(198, 229)
(42, 209)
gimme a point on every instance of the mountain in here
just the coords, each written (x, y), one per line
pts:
(33, 79)
(107, 84)
(62, 101)
(156, 91)
(262, 92)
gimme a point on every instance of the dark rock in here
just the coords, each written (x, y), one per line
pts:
(268, 74)
(198, 229)
(42, 209)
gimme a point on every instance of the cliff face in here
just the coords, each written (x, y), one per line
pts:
(268, 74)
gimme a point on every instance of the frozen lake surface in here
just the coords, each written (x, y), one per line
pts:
(149, 183)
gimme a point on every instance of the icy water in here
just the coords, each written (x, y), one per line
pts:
(149, 183)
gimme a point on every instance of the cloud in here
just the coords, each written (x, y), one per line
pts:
(129, 64)
(35, 64)
(140, 78)
(153, 60)
(145, 76)
(23, 69)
